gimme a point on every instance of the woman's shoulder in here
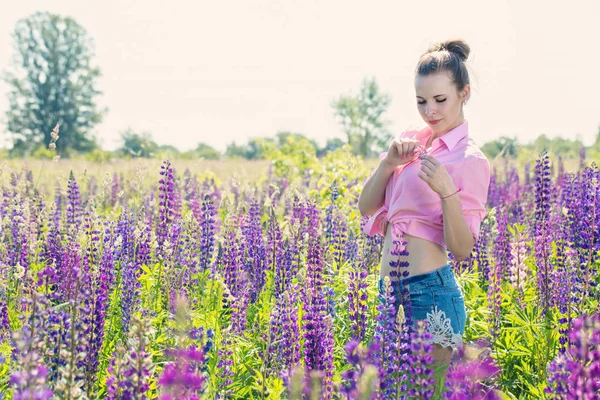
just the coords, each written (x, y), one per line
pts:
(473, 153)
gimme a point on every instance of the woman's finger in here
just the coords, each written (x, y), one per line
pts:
(427, 169)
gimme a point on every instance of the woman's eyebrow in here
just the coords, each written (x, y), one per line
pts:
(437, 95)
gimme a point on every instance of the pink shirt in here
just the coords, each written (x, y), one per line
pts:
(414, 208)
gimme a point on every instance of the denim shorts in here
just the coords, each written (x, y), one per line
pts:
(436, 297)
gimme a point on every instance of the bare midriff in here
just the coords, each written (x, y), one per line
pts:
(423, 255)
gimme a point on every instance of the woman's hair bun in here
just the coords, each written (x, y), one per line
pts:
(456, 46)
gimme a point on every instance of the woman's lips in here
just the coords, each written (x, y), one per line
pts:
(434, 122)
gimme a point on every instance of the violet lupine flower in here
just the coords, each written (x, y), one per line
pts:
(370, 245)
(542, 229)
(339, 237)
(494, 298)
(471, 379)
(165, 204)
(185, 377)
(4, 321)
(90, 225)
(73, 205)
(240, 304)
(97, 303)
(255, 246)
(351, 250)
(501, 251)
(518, 269)
(131, 366)
(286, 270)
(231, 259)
(318, 355)
(130, 287)
(30, 379)
(328, 224)
(225, 364)
(422, 384)
(284, 331)
(357, 299)
(275, 253)
(576, 373)
(584, 219)
(360, 382)
(391, 339)
(207, 233)
(31, 384)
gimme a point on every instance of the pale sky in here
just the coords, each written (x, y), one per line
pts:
(223, 71)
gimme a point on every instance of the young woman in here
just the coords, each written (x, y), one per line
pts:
(436, 201)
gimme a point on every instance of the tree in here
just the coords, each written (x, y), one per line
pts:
(137, 145)
(207, 152)
(283, 137)
(504, 146)
(52, 82)
(331, 145)
(361, 118)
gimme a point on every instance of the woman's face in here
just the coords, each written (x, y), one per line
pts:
(438, 100)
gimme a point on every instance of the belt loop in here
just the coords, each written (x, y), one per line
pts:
(441, 275)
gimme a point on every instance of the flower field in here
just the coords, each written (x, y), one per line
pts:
(159, 281)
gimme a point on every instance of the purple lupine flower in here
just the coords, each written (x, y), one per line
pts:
(130, 287)
(255, 247)
(96, 302)
(584, 218)
(318, 324)
(391, 337)
(363, 369)
(185, 377)
(207, 233)
(73, 205)
(30, 379)
(420, 360)
(225, 363)
(542, 229)
(357, 298)
(471, 379)
(371, 246)
(131, 367)
(284, 331)
(351, 248)
(494, 298)
(576, 373)
(518, 270)
(165, 204)
(4, 321)
(501, 250)
(240, 304)
(276, 254)
(231, 259)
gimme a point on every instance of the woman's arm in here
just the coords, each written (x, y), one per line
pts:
(372, 195)
(457, 233)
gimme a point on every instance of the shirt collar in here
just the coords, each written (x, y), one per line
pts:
(450, 138)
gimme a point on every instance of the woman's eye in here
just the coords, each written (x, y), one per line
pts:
(423, 102)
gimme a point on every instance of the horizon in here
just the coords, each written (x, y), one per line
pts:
(227, 73)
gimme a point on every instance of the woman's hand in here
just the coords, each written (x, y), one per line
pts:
(436, 176)
(401, 152)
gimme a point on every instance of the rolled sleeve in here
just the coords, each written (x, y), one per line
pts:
(474, 192)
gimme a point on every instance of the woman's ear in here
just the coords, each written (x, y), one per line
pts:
(466, 92)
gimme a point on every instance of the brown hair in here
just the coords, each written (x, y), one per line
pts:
(450, 56)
